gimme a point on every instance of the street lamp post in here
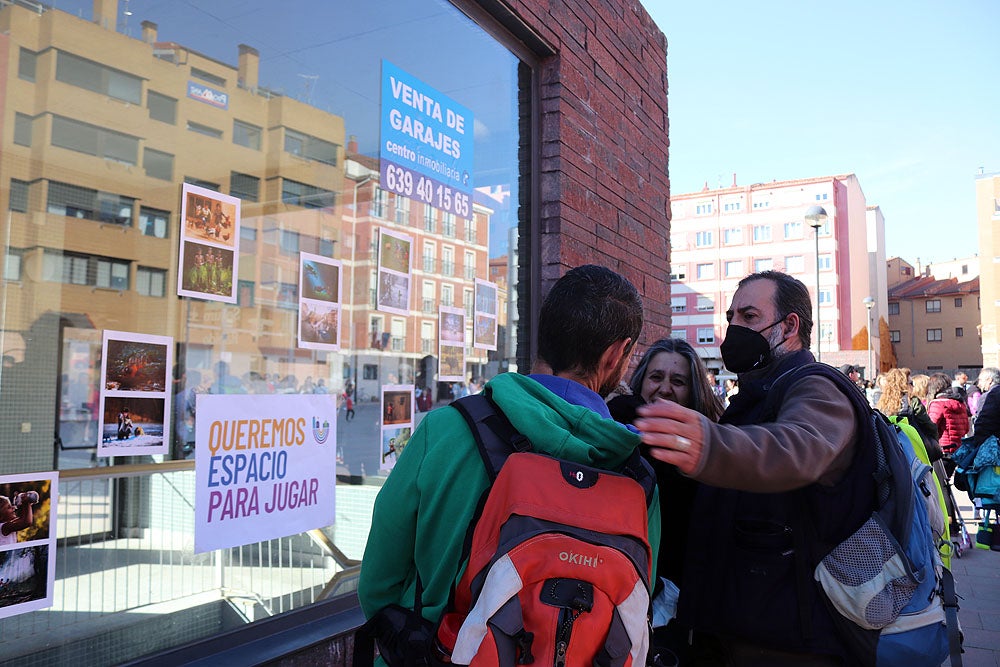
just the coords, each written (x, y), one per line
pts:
(869, 302)
(816, 215)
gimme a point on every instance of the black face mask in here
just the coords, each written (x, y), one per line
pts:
(745, 349)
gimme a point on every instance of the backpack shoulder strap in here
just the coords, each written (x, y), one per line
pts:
(496, 438)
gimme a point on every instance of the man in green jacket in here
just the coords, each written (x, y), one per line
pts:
(588, 325)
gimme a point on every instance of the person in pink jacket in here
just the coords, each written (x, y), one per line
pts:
(947, 409)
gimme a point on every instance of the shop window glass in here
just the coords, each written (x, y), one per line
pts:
(161, 107)
(312, 182)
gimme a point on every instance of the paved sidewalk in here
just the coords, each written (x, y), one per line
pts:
(977, 579)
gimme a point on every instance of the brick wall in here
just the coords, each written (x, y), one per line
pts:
(605, 191)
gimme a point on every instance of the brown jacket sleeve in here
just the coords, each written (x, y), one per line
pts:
(811, 440)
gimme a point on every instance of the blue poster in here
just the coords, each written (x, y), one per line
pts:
(427, 141)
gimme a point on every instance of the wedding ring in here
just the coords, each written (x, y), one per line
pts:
(683, 444)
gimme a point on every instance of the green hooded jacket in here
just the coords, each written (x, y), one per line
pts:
(423, 512)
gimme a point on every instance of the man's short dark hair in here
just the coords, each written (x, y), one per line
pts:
(790, 296)
(847, 369)
(587, 310)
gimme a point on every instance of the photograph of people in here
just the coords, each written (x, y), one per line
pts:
(133, 422)
(206, 270)
(397, 407)
(209, 216)
(318, 323)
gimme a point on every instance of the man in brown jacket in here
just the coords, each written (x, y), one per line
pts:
(777, 481)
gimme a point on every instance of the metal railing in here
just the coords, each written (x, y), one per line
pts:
(125, 550)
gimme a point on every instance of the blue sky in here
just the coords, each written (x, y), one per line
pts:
(904, 94)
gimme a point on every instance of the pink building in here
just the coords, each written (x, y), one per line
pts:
(719, 236)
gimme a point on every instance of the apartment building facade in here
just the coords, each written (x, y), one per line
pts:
(987, 218)
(719, 236)
(934, 323)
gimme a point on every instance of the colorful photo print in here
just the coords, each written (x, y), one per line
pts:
(452, 325)
(210, 216)
(394, 251)
(393, 442)
(393, 292)
(132, 426)
(320, 279)
(397, 405)
(26, 510)
(452, 364)
(135, 365)
(319, 324)
(26, 579)
(207, 272)
(484, 331)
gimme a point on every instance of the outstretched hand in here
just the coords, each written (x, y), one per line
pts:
(673, 434)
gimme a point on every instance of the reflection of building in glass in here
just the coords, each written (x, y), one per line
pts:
(92, 172)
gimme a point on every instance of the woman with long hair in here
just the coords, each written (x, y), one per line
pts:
(897, 400)
(670, 370)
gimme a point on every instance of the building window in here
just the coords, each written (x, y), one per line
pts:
(703, 239)
(894, 308)
(705, 303)
(98, 78)
(150, 282)
(208, 77)
(22, 129)
(310, 147)
(402, 210)
(703, 209)
(161, 107)
(732, 207)
(307, 196)
(679, 334)
(795, 264)
(288, 295)
(934, 335)
(380, 203)
(245, 134)
(428, 297)
(447, 295)
(208, 185)
(821, 197)
(959, 332)
(793, 230)
(429, 218)
(470, 231)
(369, 372)
(761, 233)
(76, 269)
(204, 129)
(158, 164)
(12, 265)
(19, 191)
(706, 335)
(705, 271)
(245, 293)
(153, 222)
(468, 302)
(678, 304)
(470, 266)
(430, 251)
(247, 233)
(448, 224)
(732, 236)
(244, 186)
(825, 262)
(93, 140)
(958, 302)
(289, 241)
(26, 64)
(679, 273)
(763, 264)
(447, 261)
(894, 336)
(933, 306)
(678, 241)
(734, 268)
(762, 204)
(825, 297)
(76, 202)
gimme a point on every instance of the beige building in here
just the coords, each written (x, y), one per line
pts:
(933, 324)
(988, 215)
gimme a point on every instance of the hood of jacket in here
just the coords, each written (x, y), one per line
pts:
(558, 427)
